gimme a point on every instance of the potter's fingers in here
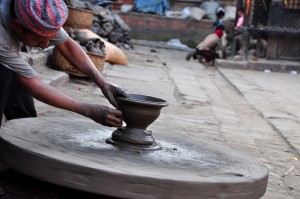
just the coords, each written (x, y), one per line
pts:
(116, 113)
(117, 121)
(112, 100)
(114, 117)
(121, 92)
(114, 123)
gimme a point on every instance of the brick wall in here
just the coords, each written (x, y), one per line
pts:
(160, 28)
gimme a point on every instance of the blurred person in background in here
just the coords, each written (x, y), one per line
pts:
(205, 51)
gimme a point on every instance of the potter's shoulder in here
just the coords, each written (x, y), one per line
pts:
(6, 40)
(60, 38)
(5, 8)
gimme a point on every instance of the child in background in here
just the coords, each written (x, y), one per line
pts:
(220, 13)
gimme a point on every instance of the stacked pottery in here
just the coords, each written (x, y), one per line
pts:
(94, 45)
(94, 49)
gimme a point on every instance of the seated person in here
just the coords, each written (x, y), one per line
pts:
(205, 51)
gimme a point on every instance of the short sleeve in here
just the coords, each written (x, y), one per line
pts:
(10, 58)
(60, 38)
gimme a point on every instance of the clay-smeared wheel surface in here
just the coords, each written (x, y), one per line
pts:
(74, 153)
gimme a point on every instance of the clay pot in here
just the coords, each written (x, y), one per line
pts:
(83, 47)
(79, 36)
(82, 38)
(100, 46)
(92, 48)
(139, 111)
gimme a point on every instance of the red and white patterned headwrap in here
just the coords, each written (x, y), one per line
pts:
(42, 17)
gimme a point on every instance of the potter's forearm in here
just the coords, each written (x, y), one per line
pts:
(54, 97)
(80, 60)
(51, 95)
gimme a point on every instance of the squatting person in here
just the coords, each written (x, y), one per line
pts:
(205, 50)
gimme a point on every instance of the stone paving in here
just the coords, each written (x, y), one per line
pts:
(275, 98)
(251, 111)
(213, 107)
(205, 105)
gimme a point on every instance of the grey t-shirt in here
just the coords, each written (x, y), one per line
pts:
(10, 46)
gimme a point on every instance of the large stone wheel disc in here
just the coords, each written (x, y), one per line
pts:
(74, 153)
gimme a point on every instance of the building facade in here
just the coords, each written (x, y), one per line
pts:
(278, 21)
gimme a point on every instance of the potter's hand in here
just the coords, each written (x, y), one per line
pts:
(110, 91)
(104, 115)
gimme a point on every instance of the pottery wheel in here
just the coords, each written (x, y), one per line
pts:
(73, 153)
